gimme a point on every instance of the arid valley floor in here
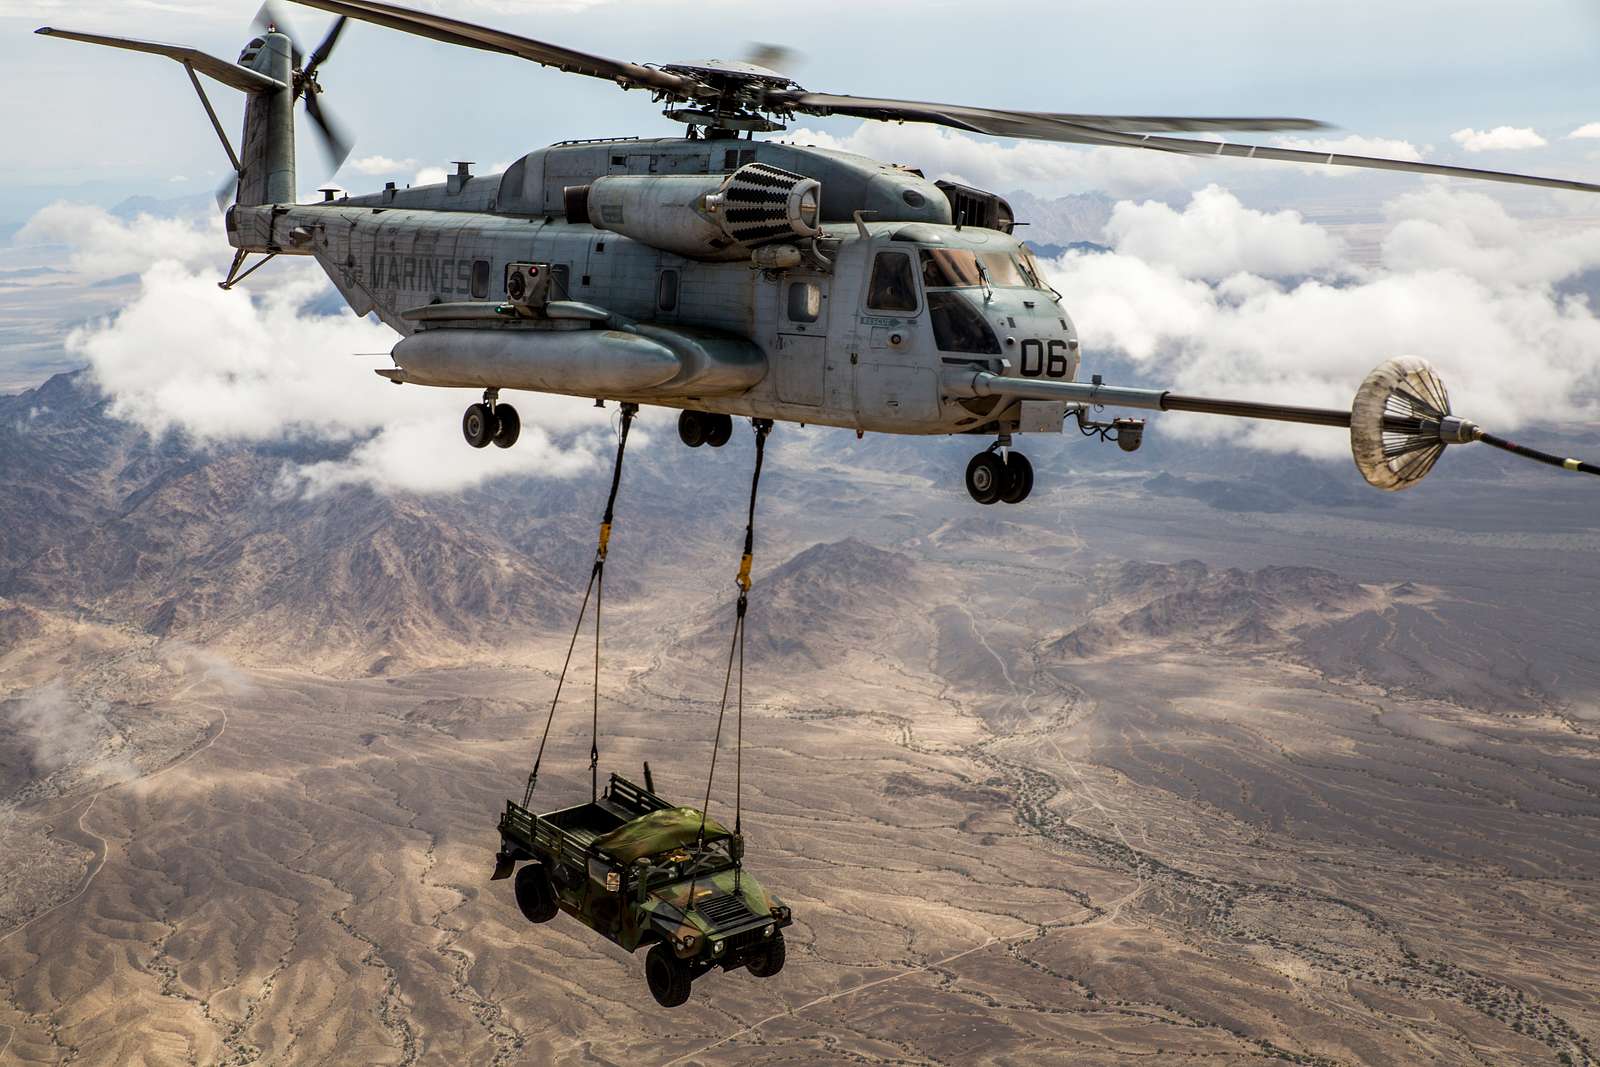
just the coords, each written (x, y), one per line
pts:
(1114, 776)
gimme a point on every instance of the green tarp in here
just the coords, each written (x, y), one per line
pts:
(657, 832)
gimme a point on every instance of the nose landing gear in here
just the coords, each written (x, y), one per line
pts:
(1006, 476)
(491, 422)
(697, 428)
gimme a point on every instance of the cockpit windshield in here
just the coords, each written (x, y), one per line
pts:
(960, 268)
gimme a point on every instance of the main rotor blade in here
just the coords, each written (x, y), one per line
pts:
(1051, 127)
(1180, 146)
(1030, 124)
(335, 141)
(467, 35)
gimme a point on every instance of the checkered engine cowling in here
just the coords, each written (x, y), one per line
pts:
(760, 204)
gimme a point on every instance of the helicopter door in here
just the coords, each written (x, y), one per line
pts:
(894, 386)
(800, 349)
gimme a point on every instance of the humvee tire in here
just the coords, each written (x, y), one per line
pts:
(769, 961)
(667, 975)
(535, 896)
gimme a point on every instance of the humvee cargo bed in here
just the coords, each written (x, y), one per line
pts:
(642, 872)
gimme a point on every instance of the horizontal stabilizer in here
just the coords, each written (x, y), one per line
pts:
(229, 74)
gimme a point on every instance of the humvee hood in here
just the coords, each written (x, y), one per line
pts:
(659, 831)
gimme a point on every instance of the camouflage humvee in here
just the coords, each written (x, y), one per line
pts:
(638, 870)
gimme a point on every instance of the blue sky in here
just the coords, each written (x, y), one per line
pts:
(99, 125)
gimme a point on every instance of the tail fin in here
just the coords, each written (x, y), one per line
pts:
(265, 72)
(266, 158)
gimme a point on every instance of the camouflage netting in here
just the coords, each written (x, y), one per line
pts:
(658, 832)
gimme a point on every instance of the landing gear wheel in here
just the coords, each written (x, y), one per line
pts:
(535, 895)
(667, 976)
(477, 426)
(1018, 481)
(507, 426)
(719, 430)
(985, 477)
(692, 428)
(770, 960)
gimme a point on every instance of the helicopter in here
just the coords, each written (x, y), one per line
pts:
(727, 276)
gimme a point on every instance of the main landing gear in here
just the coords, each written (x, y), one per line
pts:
(1000, 474)
(491, 423)
(698, 428)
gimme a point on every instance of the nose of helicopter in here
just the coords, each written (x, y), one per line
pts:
(1034, 331)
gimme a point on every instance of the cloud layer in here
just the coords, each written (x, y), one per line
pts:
(226, 367)
(1459, 282)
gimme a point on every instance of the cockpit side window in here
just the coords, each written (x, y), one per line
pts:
(958, 327)
(894, 286)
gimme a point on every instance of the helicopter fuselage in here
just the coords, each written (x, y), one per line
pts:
(860, 333)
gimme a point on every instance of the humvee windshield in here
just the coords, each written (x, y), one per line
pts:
(676, 864)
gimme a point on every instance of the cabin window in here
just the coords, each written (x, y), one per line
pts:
(734, 158)
(805, 302)
(894, 287)
(667, 291)
(480, 279)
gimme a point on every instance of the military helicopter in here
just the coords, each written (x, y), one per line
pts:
(727, 276)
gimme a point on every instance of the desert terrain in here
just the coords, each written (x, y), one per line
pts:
(1161, 766)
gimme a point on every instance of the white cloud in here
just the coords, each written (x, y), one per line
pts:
(379, 166)
(430, 176)
(423, 454)
(1216, 236)
(1460, 284)
(1590, 131)
(1472, 233)
(226, 368)
(104, 246)
(1499, 139)
(1033, 165)
(1355, 145)
(62, 732)
(255, 366)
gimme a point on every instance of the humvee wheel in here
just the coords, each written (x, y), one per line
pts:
(667, 975)
(769, 961)
(535, 896)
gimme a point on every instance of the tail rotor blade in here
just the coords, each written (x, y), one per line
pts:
(227, 191)
(335, 140)
(325, 49)
(271, 17)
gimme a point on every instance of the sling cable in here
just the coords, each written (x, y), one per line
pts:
(596, 588)
(736, 654)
